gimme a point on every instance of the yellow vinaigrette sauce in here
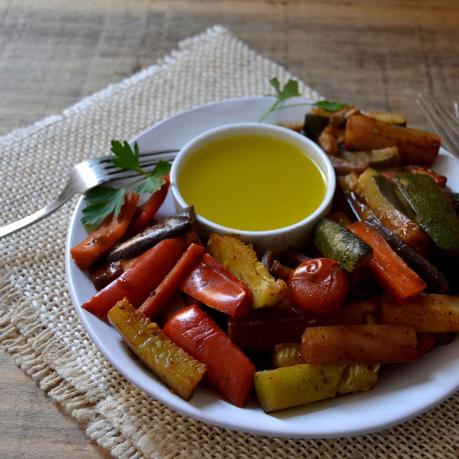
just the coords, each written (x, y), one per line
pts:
(251, 182)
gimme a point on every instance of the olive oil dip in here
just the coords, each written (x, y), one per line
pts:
(251, 182)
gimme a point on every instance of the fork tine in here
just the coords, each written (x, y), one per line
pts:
(444, 114)
(145, 159)
(145, 154)
(440, 122)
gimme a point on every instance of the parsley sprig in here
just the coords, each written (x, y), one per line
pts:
(102, 201)
(291, 90)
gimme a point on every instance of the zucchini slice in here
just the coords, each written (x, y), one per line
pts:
(434, 211)
(336, 242)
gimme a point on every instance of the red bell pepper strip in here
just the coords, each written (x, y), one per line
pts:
(212, 284)
(426, 342)
(145, 213)
(169, 286)
(391, 272)
(140, 279)
(104, 238)
(228, 369)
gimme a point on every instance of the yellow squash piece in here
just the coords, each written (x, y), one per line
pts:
(298, 384)
(241, 259)
(170, 363)
(358, 378)
(292, 386)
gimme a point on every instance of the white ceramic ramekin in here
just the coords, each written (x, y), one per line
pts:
(295, 235)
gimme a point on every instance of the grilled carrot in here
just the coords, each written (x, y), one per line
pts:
(144, 214)
(140, 279)
(168, 287)
(391, 272)
(104, 238)
(228, 369)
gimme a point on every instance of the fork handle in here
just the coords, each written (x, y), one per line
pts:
(38, 215)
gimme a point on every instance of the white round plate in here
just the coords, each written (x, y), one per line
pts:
(402, 392)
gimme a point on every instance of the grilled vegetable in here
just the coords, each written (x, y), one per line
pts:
(384, 157)
(336, 242)
(287, 355)
(356, 344)
(434, 212)
(318, 285)
(345, 166)
(358, 378)
(328, 142)
(296, 385)
(212, 284)
(170, 285)
(415, 147)
(397, 119)
(169, 227)
(103, 275)
(391, 272)
(379, 195)
(228, 369)
(428, 313)
(104, 238)
(144, 214)
(241, 260)
(179, 371)
(262, 329)
(314, 125)
(140, 279)
(435, 280)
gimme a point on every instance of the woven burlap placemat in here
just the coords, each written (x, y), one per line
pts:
(39, 327)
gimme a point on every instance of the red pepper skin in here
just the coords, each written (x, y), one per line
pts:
(145, 213)
(318, 285)
(228, 369)
(212, 284)
(426, 342)
(140, 279)
(169, 286)
(104, 238)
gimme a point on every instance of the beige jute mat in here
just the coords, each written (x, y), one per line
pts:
(39, 327)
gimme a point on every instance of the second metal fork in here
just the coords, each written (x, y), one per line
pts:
(87, 175)
(443, 122)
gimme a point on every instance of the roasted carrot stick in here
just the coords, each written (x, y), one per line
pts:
(352, 344)
(104, 238)
(140, 279)
(228, 369)
(415, 147)
(145, 213)
(212, 284)
(168, 287)
(391, 272)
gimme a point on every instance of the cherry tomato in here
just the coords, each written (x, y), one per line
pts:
(318, 285)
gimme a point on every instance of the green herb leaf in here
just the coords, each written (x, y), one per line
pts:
(330, 105)
(154, 180)
(100, 202)
(125, 157)
(289, 90)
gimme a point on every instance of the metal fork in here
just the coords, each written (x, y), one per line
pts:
(443, 122)
(84, 176)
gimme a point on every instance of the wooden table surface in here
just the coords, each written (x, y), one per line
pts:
(376, 54)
